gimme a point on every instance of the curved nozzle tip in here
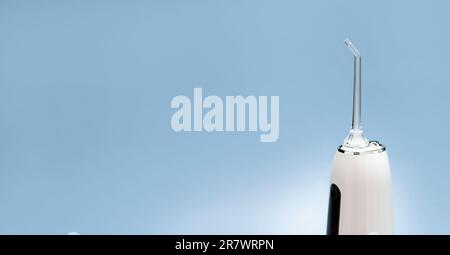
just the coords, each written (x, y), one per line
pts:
(352, 48)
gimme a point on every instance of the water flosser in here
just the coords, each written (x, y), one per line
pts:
(361, 191)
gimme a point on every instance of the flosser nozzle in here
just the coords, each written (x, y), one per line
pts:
(356, 138)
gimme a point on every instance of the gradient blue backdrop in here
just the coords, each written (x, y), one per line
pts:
(85, 88)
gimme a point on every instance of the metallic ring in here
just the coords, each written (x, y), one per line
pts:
(380, 148)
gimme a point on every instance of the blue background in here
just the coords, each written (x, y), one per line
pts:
(85, 88)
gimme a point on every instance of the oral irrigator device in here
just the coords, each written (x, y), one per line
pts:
(361, 187)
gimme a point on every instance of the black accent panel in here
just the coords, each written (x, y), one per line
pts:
(334, 209)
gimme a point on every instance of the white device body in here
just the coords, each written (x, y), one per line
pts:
(364, 182)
